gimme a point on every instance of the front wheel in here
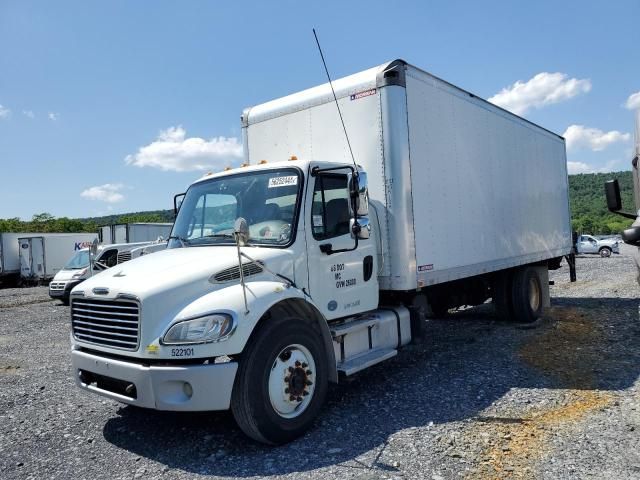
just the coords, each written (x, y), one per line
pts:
(281, 382)
(605, 252)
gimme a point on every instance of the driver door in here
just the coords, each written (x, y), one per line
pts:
(343, 283)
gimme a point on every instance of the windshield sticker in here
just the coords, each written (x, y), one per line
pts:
(283, 181)
(317, 221)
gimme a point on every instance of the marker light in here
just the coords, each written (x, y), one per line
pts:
(293, 157)
(262, 162)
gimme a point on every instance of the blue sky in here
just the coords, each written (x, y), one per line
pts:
(109, 107)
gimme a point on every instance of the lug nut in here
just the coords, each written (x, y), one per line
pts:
(286, 390)
(305, 393)
(297, 363)
(299, 399)
(308, 372)
(304, 365)
(291, 369)
(291, 398)
(309, 382)
(286, 379)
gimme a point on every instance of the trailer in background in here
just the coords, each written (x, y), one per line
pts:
(9, 257)
(133, 232)
(42, 256)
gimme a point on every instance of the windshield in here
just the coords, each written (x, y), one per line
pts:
(78, 261)
(267, 200)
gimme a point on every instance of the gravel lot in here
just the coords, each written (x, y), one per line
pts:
(478, 399)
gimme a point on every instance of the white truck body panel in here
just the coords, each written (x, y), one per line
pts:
(43, 256)
(448, 171)
(134, 232)
(10, 252)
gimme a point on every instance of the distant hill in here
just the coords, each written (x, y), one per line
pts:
(586, 192)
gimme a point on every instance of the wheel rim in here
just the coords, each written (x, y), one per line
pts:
(605, 252)
(292, 381)
(534, 295)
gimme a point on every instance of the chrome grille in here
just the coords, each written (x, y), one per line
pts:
(233, 273)
(57, 285)
(124, 256)
(112, 323)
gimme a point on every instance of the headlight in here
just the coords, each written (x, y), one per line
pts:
(80, 273)
(199, 330)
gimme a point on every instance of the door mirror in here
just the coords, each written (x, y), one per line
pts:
(177, 202)
(362, 229)
(612, 191)
(362, 201)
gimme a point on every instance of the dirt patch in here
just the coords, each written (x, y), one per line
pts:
(9, 369)
(515, 446)
(570, 350)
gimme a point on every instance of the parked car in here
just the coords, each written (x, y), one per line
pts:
(603, 247)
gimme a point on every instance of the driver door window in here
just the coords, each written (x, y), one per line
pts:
(330, 212)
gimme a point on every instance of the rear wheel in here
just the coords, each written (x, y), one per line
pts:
(605, 252)
(281, 382)
(526, 295)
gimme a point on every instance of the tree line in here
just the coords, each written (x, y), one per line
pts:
(588, 205)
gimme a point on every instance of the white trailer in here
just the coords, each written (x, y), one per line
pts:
(42, 256)
(10, 256)
(279, 278)
(134, 232)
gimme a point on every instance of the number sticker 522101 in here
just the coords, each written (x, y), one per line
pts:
(181, 352)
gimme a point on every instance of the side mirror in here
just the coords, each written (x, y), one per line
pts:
(612, 191)
(362, 229)
(614, 202)
(93, 250)
(241, 231)
(359, 190)
(177, 202)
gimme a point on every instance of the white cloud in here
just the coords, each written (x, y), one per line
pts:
(580, 136)
(109, 192)
(4, 112)
(579, 167)
(633, 102)
(53, 116)
(543, 89)
(28, 113)
(173, 151)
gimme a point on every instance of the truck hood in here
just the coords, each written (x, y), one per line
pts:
(182, 271)
(64, 275)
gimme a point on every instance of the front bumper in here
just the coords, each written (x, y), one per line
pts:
(62, 289)
(157, 387)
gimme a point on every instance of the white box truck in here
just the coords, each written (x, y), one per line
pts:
(42, 256)
(133, 232)
(10, 257)
(299, 268)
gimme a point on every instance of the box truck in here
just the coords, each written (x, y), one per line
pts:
(299, 267)
(76, 270)
(133, 232)
(42, 256)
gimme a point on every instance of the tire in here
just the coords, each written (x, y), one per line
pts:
(262, 402)
(65, 301)
(437, 305)
(605, 252)
(526, 295)
(501, 295)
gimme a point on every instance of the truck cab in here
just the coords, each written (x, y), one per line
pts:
(278, 300)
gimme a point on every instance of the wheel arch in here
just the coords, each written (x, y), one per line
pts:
(306, 311)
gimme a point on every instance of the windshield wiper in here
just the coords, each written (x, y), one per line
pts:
(218, 235)
(183, 241)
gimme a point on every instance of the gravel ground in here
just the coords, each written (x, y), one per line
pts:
(478, 399)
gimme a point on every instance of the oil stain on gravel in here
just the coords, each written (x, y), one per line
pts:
(587, 354)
